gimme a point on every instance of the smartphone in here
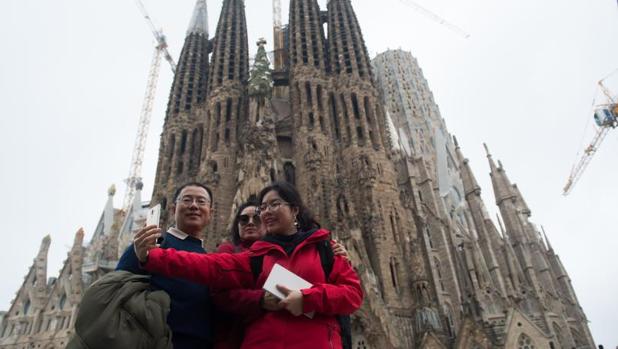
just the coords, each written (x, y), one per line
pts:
(154, 215)
(153, 218)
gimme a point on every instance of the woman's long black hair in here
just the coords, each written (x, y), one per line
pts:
(235, 231)
(288, 193)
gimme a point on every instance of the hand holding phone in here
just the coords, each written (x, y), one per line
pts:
(153, 218)
(154, 215)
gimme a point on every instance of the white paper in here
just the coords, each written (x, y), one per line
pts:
(154, 215)
(281, 276)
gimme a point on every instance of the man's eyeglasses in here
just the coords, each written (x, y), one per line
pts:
(271, 206)
(244, 219)
(189, 200)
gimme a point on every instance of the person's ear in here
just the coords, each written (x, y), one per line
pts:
(295, 211)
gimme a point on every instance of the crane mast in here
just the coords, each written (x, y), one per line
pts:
(158, 34)
(582, 164)
(137, 158)
(609, 121)
(434, 17)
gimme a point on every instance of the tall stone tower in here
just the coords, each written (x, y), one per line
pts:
(180, 150)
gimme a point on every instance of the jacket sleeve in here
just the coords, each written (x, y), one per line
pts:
(226, 247)
(238, 301)
(343, 295)
(129, 262)
(218, 270)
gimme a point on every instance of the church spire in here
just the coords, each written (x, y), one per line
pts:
(199, 21)
(108, 213)
(348, 53)
(189, 87)
(469, 180)
(307, 41)
(503, 189)
(180, 151)
(230, 61)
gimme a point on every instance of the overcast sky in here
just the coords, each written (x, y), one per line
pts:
(73, 75)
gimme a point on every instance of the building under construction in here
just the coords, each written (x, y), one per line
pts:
(366, 145)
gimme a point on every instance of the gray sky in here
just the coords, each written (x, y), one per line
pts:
(73, 75)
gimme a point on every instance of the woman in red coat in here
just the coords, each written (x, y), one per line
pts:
(291, 242)
(241, 306)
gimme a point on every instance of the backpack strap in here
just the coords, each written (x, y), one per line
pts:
(327, 257)
(256, 266)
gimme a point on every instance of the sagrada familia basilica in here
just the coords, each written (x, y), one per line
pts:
(364, 142)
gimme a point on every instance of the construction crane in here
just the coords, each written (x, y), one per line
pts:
(434, 17)
(158, 34)
(137, 158)
(606, 118)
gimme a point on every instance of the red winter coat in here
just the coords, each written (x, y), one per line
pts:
(342, 294)
(240, 306)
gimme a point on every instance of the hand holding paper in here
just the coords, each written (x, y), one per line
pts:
(286, 285)
(293, 300)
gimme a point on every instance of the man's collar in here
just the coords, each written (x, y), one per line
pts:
(179, 233)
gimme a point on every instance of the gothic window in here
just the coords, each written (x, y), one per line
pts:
(393, 268)
(355, 107)
(309, 97)
(333, 115)
(218, 115)
(273, 177)
(172, 145)
(314, 145)
(226, 136)
(196, 149)
(228, 109)
(360, 135)
(429, 239)
(319, 96)
(450, 324)
(215, 142)
(289, 172)
(214, 167)
(342, 205)
(436, 263)
(525, 342)
(393, 229)
(26, 307)
(346, 117)
(63, 300)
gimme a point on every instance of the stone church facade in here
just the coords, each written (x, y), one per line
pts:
(365, 144)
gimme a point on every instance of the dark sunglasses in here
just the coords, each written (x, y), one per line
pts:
(244, 219)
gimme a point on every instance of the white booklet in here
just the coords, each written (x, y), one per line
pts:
(281, 276)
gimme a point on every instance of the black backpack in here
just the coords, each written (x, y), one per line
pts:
(327, 258)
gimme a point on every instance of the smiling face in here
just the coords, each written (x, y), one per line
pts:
(277, 215)
(250, 226)
(192, 210)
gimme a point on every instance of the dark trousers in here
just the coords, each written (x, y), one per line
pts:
(181, 341)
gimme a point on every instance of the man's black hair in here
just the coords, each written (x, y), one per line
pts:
(194, 184)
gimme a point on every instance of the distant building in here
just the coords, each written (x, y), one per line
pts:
(365, 144)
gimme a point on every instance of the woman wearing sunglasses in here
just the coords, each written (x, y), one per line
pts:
(291, 241)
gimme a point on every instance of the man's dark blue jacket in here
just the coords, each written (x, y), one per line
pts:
(190, 311)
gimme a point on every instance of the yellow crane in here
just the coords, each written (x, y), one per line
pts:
(606, 118)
